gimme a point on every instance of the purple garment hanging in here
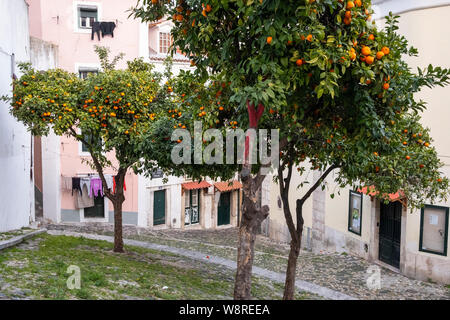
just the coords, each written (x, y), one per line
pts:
(96, 187)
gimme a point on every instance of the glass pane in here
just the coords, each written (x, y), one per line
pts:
(433, 238)
(195, 198)
(187, 199)
(98, 210)
(187, 216)
(355, 212)
(194, 218)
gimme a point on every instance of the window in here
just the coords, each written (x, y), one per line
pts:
(191, 207)
(83, 73)
(355, 212)
(434, 230)
(98, 210)
(87, 16)
(164, 42)
(89, 138)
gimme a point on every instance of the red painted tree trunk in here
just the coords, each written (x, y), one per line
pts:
(252, 216)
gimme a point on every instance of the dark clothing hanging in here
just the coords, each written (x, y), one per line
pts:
(96, 30)
(76, 185)
(107, 28)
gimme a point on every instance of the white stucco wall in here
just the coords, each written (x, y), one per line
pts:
(17, 186)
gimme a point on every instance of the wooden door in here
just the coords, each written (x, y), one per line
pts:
(223, 216)
(159, 207)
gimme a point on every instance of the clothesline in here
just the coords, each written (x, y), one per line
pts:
(92, 184)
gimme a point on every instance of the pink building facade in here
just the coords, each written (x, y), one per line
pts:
(149, 203)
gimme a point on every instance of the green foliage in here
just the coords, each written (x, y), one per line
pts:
(308, 63)
(115, 107)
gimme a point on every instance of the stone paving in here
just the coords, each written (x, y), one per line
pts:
(340, 272)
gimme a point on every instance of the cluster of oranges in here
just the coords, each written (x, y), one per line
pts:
(349, 7)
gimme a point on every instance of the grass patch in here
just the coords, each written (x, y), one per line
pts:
(39, 267)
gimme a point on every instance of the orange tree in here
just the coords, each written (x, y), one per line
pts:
(113, 110)
(368, 128)
(311, 67)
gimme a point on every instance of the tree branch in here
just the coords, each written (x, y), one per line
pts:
(318, 183)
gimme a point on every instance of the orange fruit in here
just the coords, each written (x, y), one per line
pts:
(347, 21)
(380, 55)
(309, 37)
(358, 3)
(269, 40)
(299, 62)
(348, 14)
(369, 59)
(350, 5)
(385, 50)
(408, 157)
(386, 86)
(371, 37)
(421, 166)
(366, 51)
(208, 8)
(368, 81)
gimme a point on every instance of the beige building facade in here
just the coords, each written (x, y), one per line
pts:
(413, 243)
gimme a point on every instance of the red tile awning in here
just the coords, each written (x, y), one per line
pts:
(195, 185)
(399, 195)
(226, 186)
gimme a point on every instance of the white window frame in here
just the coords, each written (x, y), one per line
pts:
(83, 65)
(85, 4)
(159, 42)
(82, 153)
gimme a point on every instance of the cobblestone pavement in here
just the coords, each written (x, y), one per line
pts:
(340, 272)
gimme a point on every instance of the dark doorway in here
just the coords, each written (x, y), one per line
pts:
(390, 231)
(159, 207)
(223, 216)
(98, 210)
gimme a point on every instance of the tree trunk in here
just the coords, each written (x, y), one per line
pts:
(118, 200)
(296, 244)
(252, 215)
(289, 285)
(118, 238)
(247, 236)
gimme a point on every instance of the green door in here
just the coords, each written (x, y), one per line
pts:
(223, 216)
(159, 207)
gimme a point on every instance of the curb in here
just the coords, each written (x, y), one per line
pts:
(16, 240)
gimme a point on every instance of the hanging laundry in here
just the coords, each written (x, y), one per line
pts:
(107, 28)
(85, 182)
(76, 185)
(66, 183)
(96, 30)
(109, 181)
(84, 200)
(124, 185)
(96, 187)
